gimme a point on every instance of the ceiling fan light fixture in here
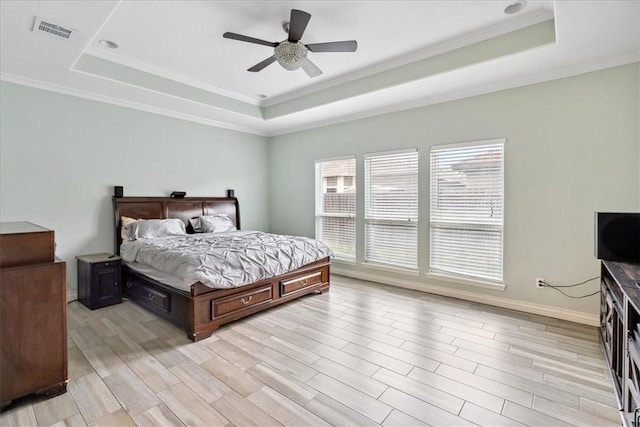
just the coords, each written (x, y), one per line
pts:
(290, 55)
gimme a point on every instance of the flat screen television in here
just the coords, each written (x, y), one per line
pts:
(617, 236)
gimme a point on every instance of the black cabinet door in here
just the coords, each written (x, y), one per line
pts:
(105, 284)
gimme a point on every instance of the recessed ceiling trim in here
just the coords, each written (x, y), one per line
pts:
(276, 128)
(164, 73)
(500, 46)
(103, 68)
(514, 24)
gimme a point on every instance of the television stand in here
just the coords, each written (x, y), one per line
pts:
(620, 333)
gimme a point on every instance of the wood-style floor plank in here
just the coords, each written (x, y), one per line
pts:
(159, 415)
(134, 396)
(458, 389)
(354, 399)
(51, 411)
(190, 408)
(284, 384)
(483, 417)
(336, 413)
(420, 409)
(400, 419)
(362, 354)
(422, 391)
(241, 412)
(93, 397)
(284, 410)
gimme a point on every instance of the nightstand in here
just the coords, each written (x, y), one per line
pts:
(99, 280)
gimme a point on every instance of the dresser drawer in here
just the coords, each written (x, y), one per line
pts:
(242, 300)
(299, 283)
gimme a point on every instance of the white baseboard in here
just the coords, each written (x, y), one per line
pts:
(527, 307)
(72, 295)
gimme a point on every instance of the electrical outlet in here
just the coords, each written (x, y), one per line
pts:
(539, 283)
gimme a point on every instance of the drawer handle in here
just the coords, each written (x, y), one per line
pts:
(152, 297)
(246, 301)
(129, 284)
(304, 282)
(116, 284)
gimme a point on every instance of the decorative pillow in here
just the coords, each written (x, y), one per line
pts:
(195, 224)
(216, 223)
(152, 228)
(124, 221)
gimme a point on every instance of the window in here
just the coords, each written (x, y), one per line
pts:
(336, 206)
(391, 208)
(467, 209)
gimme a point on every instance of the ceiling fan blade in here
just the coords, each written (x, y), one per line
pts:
(344, 46)
(297, 24)
(310, 68)
(259, 66)
(242, 38)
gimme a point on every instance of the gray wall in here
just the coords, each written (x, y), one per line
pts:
(60, 157)
(572, 148)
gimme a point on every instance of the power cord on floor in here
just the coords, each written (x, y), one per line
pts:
(556, 287)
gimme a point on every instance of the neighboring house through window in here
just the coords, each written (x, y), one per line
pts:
(336, 205)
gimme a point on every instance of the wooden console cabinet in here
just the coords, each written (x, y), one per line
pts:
(33, 313)
(620, 333)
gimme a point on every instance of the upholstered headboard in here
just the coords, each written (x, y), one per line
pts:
(166, 207)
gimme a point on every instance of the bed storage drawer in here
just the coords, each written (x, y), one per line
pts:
(242, 300)
(146, 295)
(299, 283)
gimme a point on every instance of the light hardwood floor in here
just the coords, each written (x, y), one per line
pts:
(363, 354)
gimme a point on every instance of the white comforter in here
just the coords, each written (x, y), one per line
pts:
(225, 260)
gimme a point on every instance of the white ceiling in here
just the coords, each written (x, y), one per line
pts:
(173, 60)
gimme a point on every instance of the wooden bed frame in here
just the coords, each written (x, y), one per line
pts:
(202, 310)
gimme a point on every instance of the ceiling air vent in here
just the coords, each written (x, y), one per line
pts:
(40, 26)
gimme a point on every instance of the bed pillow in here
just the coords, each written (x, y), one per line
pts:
(124, 221)
(216, 223)
(152, 228)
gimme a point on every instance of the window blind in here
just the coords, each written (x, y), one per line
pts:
(336, 205)
(466, 220)
(391, 208)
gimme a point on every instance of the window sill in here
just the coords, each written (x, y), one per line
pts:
(390, 269)
(467, 281)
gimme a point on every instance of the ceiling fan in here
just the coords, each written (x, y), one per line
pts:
(291, 54)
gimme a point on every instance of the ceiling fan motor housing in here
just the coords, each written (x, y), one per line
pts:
(290, 55)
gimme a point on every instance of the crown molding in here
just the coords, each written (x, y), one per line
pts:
(271, 128)
(37, 84)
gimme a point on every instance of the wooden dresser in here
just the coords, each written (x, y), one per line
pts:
(33, 313)
(620, 333)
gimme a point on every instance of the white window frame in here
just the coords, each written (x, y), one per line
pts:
(320, 214)
(455, 264)
(381, 254)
